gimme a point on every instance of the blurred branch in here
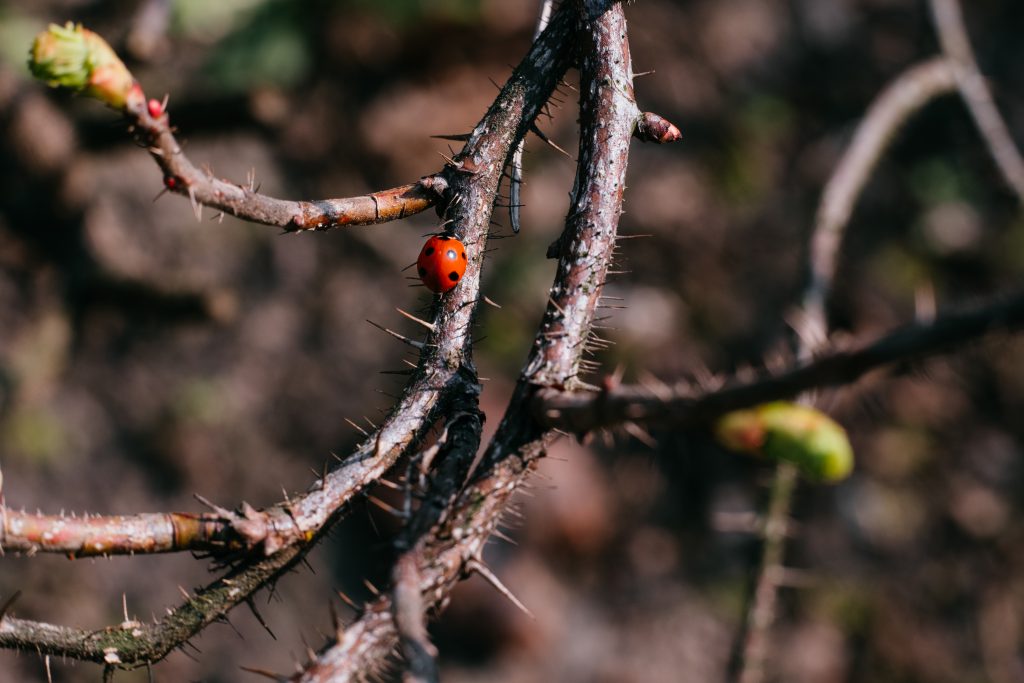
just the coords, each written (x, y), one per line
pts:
(582, 411)
(453, 546)
(907, 94)
(949, 23)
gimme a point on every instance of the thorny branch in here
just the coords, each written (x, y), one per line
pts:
(243, 201)
(462, 504)
(445, 370)
(896, 104)
(583, 411)
(907, 94)
(454, 545)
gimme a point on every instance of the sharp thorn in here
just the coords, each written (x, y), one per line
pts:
(485, 573)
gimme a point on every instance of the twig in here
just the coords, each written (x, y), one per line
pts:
(897, 103)
(515, 178)
(182, 176)
(949, 23)
(583, 411)
(410, 623)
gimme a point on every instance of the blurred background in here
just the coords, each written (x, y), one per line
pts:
(145, 356)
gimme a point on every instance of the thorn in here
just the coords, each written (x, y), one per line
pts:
(356, 427)
(124, 606)
(336, 624)
(544, 138)
(266, 674)
(457, 137)
(402, 338)
(370, 587)
(410, 316)
(259, 617)
(197, 208)
(184, 593)
(640, 434)
(503, 536)
(482, 569)
(384, 506)
(49, 674)
(8, 603)
(349, 601)
(223, 512)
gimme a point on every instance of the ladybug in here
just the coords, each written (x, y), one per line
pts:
(441, 263)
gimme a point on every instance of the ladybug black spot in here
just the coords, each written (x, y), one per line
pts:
(429, 251)
(422, 271)
(450, 254)
(453, 276)
(463, 256)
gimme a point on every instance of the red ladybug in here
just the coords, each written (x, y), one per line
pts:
(441, 263)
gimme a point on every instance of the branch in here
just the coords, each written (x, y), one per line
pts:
(949, 23)
(907, 94)
(79, 60)
(201, 187)
(456, 541)
(583, 411)
(98, 535)
(444, 370)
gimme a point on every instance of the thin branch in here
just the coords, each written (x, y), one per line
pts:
(897, 103)
(584, 411)
(515, 178)
(201, 187)
(949, 23)
(410, 623)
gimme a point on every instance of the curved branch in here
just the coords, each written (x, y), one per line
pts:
(903, 97)
(949, 23)
(182, 176)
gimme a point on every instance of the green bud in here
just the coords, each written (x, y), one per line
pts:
(60, 57)
(75, 58)
(792, 433)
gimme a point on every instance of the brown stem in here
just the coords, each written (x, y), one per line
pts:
(98, 535)
(202, 188)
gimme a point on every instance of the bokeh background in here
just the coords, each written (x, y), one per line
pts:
(145, 356)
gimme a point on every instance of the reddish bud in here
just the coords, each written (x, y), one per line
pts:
(170, 181)
(654, 128)
(156, 108)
